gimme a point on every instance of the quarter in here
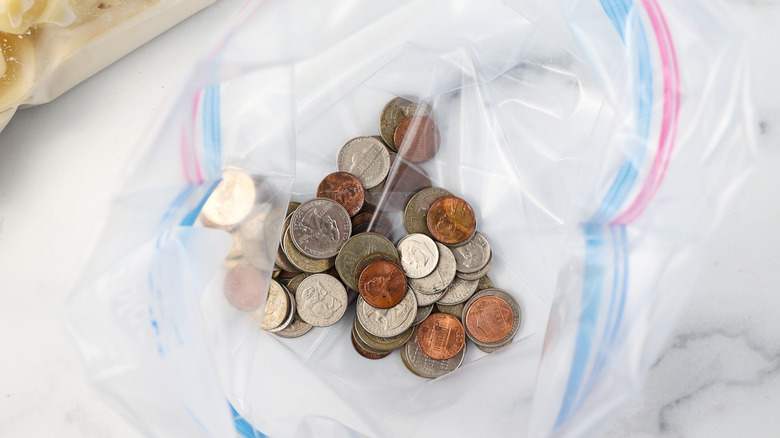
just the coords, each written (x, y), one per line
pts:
(322, 300)
(388, 322)
(320, 227)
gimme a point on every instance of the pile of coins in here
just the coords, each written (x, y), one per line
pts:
(425, 295)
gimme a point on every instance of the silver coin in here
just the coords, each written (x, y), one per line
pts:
(427, 299)
(422, 313)
(277, 306)
(416, 211)
(472, 256)
(455, 310)
(459, 291)
(419, 255)
(489, 350)
(422, 365)
(378, 344)
(485, 283)
(322, 300)
(290, 313)
(367, 158)
(320, 227)
(387, 322)
(478, 274)
(296, 329)
(516, 317)
(440, 278)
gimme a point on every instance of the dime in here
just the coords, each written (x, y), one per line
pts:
(322, 300)
(387, 322)
(380, 344)
(484, 283)
(382, 284)
(243, 287)
(404, 182)
(422, 313)
(301, 261)
(479, 274)
(419, 255)
(365, 353)
(290, 313)
(416, 212)
(367, 158)
(417, 138)
(459, 291)
(277, 307)
(490, 318)
(422, 365)
(371, 258)
(451, 220)
(441, 277)
(320, 227)
(345, 189)
(441, 336)
(230, 202)
(473, 256)
(355, 249)
(392, 114)
(427, 299)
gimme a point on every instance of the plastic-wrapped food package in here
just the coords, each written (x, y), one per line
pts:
(598, 142)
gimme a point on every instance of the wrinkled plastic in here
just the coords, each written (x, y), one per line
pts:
(599, 143)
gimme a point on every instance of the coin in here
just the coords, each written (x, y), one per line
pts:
(365, 353)
(320, 227)
(371, 258)
(416, 212)
(479, 274)
(294, 282)
(377, 343)
(367, 158)
(371, 216)
(404, 182)
(243, 287)
(322, 300)
(417, 138)
(392, 114)
(355, 249)
(485, 322)
(422, 365)
(459, 291)
(451, 220)
(345, 189)
(382, 284)
(291, 207)
(290, 316)
(283, 262)
(455, 310)
(494, 348)
(484, 283)
(427, 299)
(277, 305)
(441, 336)
(387, 322)
(419, 255)
(473, 256)
(230, 202)
(296, 329)
(441, 277)
(422, 313)
(301, 261)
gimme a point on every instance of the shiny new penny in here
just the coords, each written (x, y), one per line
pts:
(382, 284)
(230, 202)
(451, 220)
(489, 319)
(344, 188)
(417, 139)
(441, 336)
(244, 287)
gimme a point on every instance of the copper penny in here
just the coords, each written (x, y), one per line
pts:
(367, 354)
(345, 189)
(417, 138)
(382, 284)
(441, 336)
(451, 220)
(404, 181)
(489, 319)
(244, 287)
(371, 258)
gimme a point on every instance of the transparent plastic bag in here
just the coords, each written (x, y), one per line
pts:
(598, 142)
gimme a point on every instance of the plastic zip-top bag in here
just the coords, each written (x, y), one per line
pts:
(598, 142)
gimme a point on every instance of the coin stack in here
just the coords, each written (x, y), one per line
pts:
(424, 295)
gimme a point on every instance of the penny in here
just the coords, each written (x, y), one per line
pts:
(355, 249)
(377, 343)
(455, 310)
(422, 313)
(301, 261)
(322, 300)
(371, 216)
(382, 284)
(459, 291)
(441, 336)
(422, 365)
(419, 255)
(344, 188)
(365, 353)
(367, 158)
(320, 227)
(243, 287)
(404, 181)
(387, 322)
(484, 283)
(489, 319)
(417, 139)
(371, 258)
(479, 274)
(392, 114)
(416, 212)
(451, 220)
(376, 228)
(290, 313)
(441, 277)
(427, 299)
(277, 305)
(473, 256)
(230, 202)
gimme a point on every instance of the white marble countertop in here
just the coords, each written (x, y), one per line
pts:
(718, 377)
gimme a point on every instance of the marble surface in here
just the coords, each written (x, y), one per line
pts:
(719, 375)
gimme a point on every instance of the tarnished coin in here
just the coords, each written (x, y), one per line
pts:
(291, 207)
(244, 287)
(294, 282)
(377, 343)
(296, 329)
(392, 114)
(344, 188)
(365, 353)
(417, 139)
(419, 255)
(451, 220)
(290, 313)
(371, 216)
(441, 336)
(484, 283)
(422, 365)
(320, 227)
(230, 202)
(455, 310)
(490, 318)
(473, 256)
(459, 291)
(404, 181)
(416, 212)
(358, 247)
(382, 284)
(277, 306)
(427, 299)
(367, 158)
(479, 274)
(495, 348)
(422, 313)
(387, 322)
(441, 277)
(371, 258)
(301, 261)
(322, 300)
(283, 262)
